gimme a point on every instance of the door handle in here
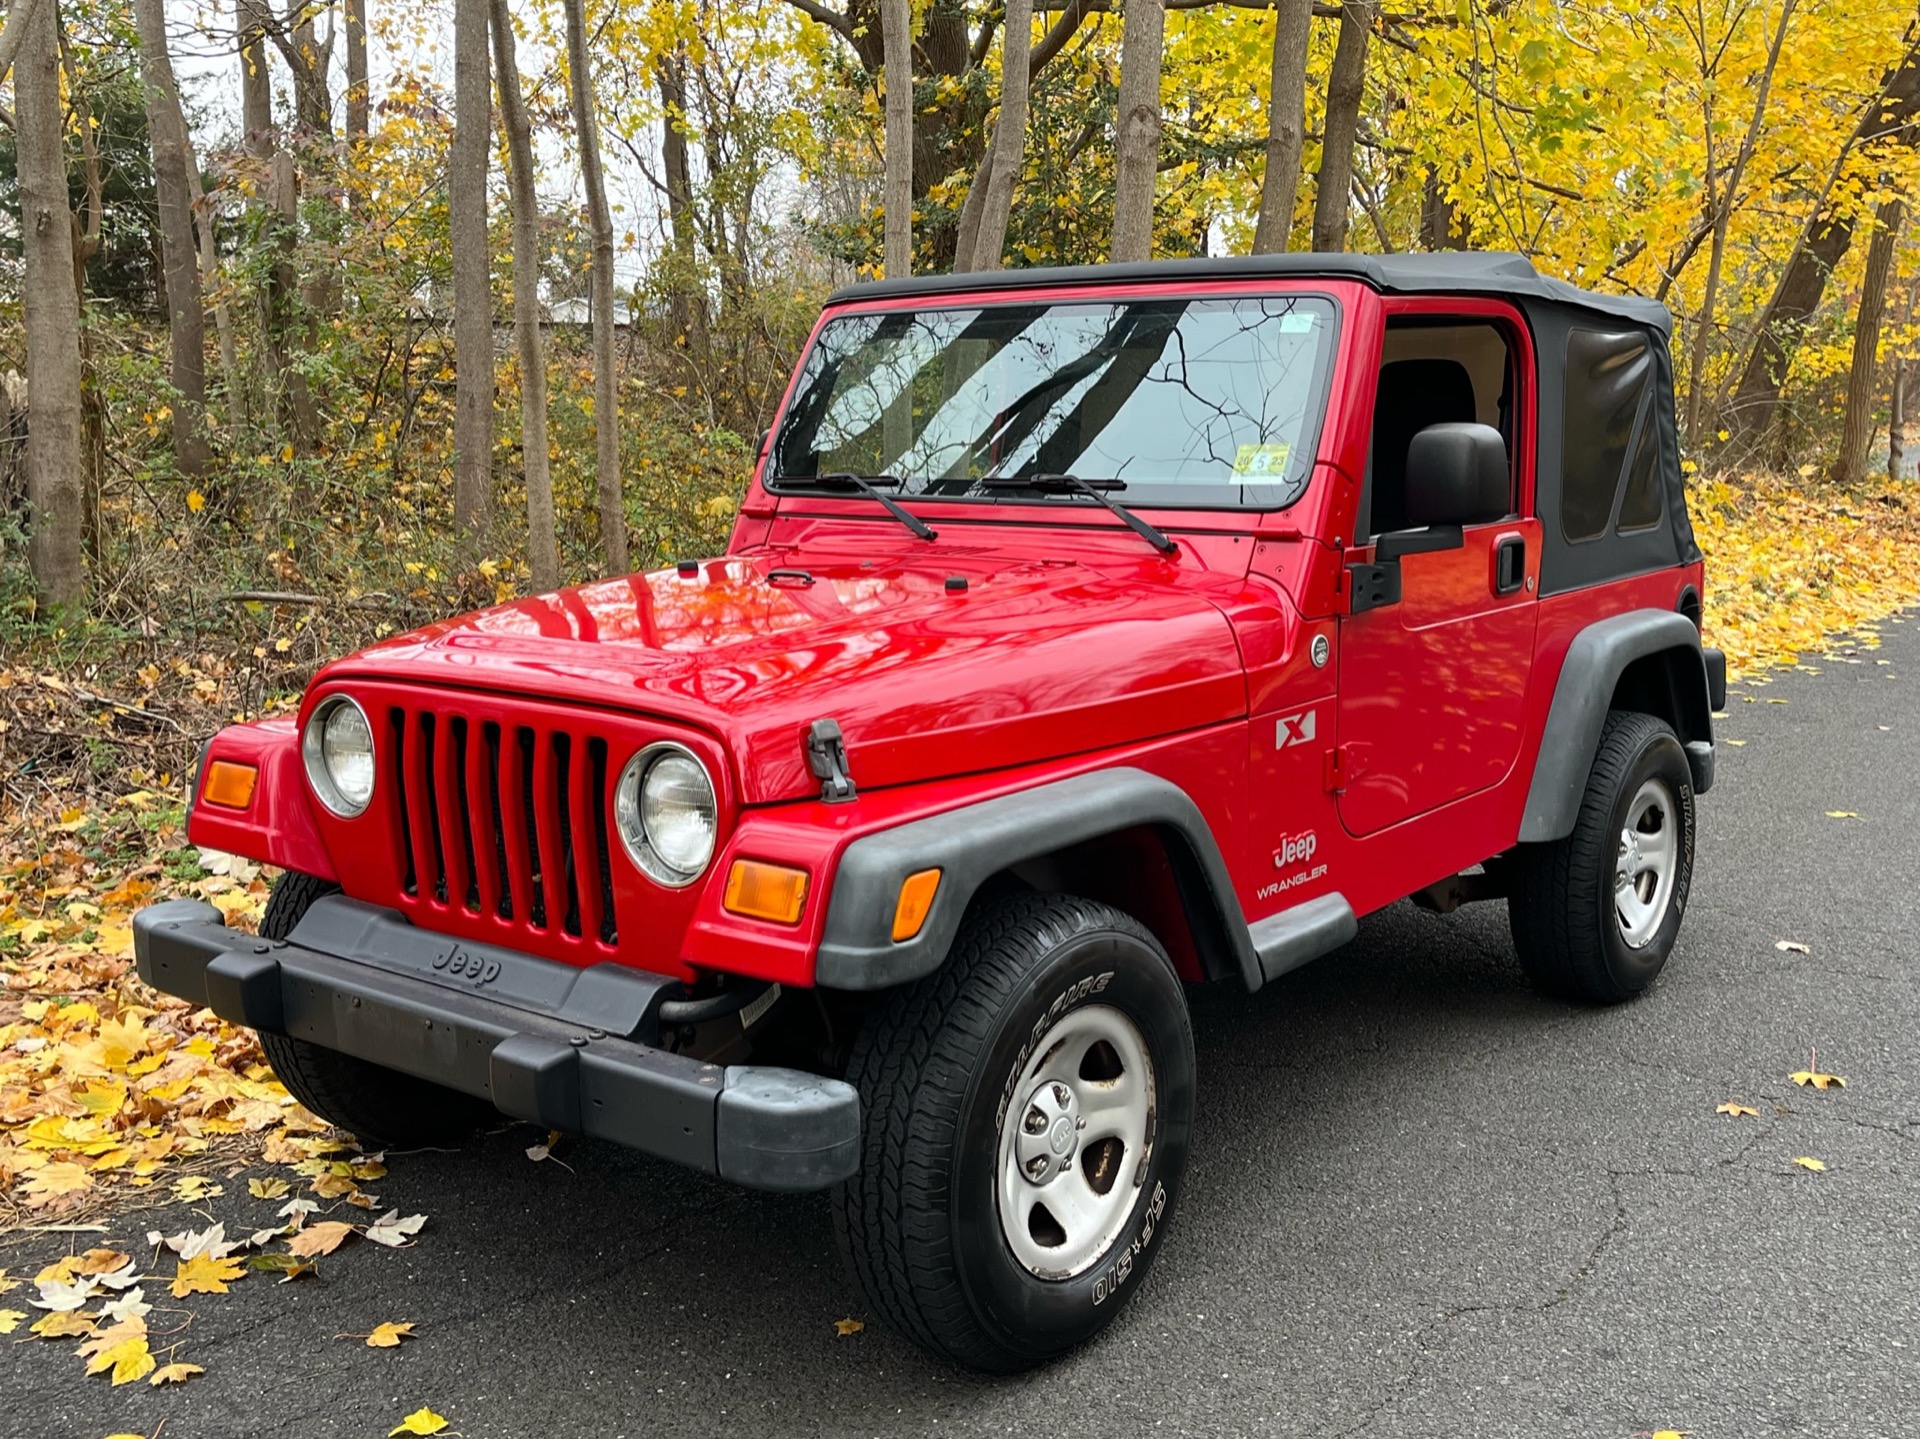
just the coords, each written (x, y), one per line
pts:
(1509, 564)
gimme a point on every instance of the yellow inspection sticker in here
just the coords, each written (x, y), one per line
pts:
(1262, 462)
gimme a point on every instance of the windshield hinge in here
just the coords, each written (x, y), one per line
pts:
(827, 758)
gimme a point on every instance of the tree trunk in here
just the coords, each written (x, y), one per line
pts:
(967, 237)
(1440, 224)
(687, 295)
(606, 380)
(256, 80)
(203, 215)
(186, 317)
(282, 305)
(310, 63)
(359, 96)
(1862, 391)
(1897, 420)
(1822, 246)
(1286, 125)
(1010, 140)
(1137, 124)
(896, 21)
(52, 319)
(543, 556)
(1346, 87)
(1722, 202)
(472, 275)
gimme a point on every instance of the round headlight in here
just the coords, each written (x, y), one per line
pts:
(338, 750)
(665, 811)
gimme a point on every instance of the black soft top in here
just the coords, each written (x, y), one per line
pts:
(1444, 272)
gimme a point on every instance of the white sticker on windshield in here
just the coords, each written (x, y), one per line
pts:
(1297, 324)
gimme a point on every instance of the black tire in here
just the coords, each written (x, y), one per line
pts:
(920, 1224)
(379, 1106)
(1567, 926)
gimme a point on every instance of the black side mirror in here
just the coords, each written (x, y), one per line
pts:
(1457, 475)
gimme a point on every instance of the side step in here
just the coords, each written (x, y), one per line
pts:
(1291, 938)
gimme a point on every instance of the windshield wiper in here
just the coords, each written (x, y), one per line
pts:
(865, 484)
(1074, 485)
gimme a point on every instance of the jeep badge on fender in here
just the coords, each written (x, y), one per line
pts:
(1085, 635)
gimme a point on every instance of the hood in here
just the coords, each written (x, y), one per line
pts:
(1030, 660)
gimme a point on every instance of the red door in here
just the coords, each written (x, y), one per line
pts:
(1432, 687)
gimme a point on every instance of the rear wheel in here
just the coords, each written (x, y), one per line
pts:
(1027, 1111)
(1595, 915)
(379, 1106)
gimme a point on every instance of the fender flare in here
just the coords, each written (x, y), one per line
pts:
(970, 844)
(1591, 672)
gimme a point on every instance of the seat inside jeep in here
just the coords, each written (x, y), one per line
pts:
(1430, 374)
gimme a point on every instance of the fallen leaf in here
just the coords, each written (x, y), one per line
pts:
(268, 1188)
(844, 1327)
(1807, 1077)
(286, 1266)
(64, 1325)
(422, 1421)
(1791, 946)
(317, 1239)
(196, 1187)
(174, 1374)
(1815, 1165)
(203, 1274)
(131, 1305)
(129, 1358)
(10, 1319)
(388, 1336)
(1841, 814)
(1734, 1106)
(393, 1231)
(1734, 742)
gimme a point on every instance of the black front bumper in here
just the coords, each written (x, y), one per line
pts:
(561, 1046)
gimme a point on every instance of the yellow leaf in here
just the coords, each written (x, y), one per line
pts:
(174, 1374)
(318, 1239)
(10, 1320)
(64, 1325)
(1677, 1433)
(268, 1188)
(203, 1274)
(129, 1360)
(196, 501)
(1733, 1106)
(1806, 1078)
(388, 1336)
(422, 1421)
(196, 1187)
(844, 1327)
(1841, 814)
(1815, 1165)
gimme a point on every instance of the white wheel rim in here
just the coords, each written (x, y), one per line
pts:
(1648, 859)
(1074, 1142)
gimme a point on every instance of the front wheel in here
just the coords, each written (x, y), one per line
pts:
(1595, 915)
(1027, 1111)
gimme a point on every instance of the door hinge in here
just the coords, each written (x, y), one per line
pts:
(1334, 771)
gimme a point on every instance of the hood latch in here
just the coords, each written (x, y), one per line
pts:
(827, 758)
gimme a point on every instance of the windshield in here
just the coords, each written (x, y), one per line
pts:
(1188, 402)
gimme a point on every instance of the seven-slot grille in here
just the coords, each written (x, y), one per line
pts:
(507, 820)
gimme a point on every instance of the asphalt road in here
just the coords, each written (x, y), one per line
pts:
(1422, 1202)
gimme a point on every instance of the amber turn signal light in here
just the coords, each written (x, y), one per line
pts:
(916, 903)
(765, 891)
(229, 785)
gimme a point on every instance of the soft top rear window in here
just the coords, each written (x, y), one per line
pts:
(1189, 402)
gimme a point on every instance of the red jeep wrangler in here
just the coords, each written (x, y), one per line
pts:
(1085, 634)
